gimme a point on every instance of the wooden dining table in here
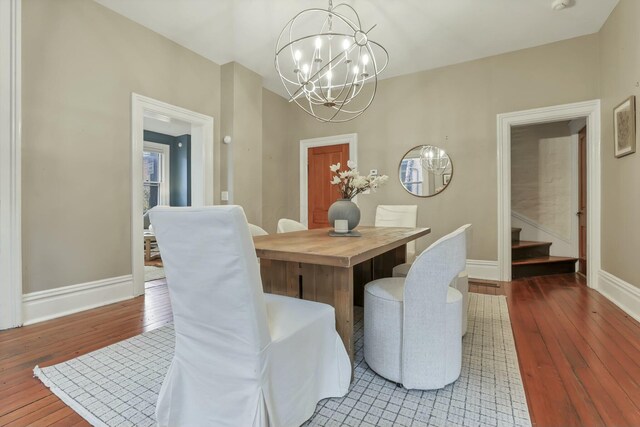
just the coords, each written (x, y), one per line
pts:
(315, 266)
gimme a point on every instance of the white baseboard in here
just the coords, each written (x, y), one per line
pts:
(485, 270)
(621, 293)
(52, 303)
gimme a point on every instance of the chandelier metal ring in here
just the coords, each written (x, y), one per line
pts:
(331, 74)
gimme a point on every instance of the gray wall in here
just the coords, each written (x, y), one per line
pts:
(276, 194)
(459, 102)
(619, 76)
(80, 63)
(242, 120)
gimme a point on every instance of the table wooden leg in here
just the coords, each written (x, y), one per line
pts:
(147, 250)
(343, 305)
(333, 286)
(383, 264)
(362, 274)
(321, 283)
(280, 277)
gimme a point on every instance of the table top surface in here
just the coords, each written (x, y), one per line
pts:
(317, 247)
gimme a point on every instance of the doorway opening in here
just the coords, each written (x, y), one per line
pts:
(166, 179)
(545, 196)
(316, 192)
(509, 123)
(171, 164)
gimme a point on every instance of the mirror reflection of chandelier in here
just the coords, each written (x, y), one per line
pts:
(325, 69)
(434, 159)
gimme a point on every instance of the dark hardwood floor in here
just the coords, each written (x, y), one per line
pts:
(579, 354)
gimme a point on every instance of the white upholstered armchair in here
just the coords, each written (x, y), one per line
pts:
(242, 358)
(286, 225)
(461, 282)
(412, 325)
(257, 230)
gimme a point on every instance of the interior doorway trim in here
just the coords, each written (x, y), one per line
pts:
(202, 180)
(589, 110)
(305, 144)
(10, 165)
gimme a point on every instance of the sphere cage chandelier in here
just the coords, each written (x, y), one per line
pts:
(331, 74)
(434, 159)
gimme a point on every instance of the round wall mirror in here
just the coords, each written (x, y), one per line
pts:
(425, 170)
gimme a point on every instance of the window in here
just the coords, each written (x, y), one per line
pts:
(155, 175)
(411, 173)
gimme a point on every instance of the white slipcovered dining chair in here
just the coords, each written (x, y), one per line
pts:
(412, 324)
(257, 231)
(242, 358)
(286, 225)
(461, 282)
(399, 216)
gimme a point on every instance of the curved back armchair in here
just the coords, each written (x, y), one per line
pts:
(286, 225)
(256, 230)
(412, 325)
(428, 356)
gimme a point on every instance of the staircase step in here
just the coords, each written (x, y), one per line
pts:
(542, 266)
(545, 260)
(524, 249)
(515, 234)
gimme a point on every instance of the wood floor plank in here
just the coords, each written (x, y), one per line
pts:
(30, 407)
(539, 372)
(24, 398)
(572, 366)
(72, 419)
(38, 416)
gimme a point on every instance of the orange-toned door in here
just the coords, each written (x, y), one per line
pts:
(321, 194)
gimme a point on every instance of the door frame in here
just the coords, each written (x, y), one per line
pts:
(305, 144)
(10, 164)
(579, 183)
(202, 178)
(589, 110)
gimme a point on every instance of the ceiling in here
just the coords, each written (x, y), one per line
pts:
(419, 34)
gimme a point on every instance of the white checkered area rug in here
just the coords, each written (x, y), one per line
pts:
(118, 385)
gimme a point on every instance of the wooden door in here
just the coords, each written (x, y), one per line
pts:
(321, 194)
(582, 201)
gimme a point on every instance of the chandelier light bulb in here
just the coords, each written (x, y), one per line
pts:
(318, 42)
(356, 69)
(346, 44)
(365, 59)
(297, 55)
